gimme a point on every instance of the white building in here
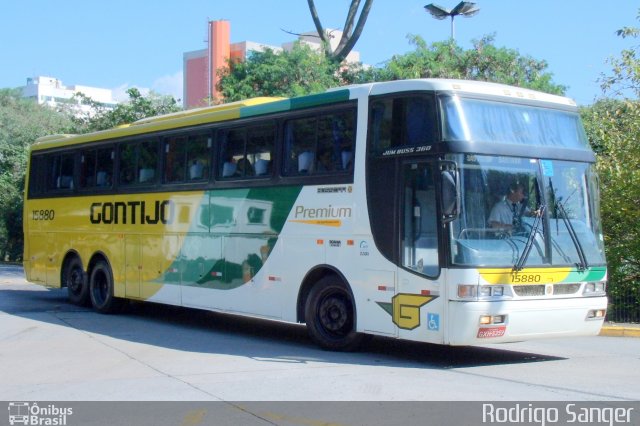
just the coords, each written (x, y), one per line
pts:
(51, 92)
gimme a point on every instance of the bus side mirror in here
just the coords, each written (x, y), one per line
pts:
(450, 194)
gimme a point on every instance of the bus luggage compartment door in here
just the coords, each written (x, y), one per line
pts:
(133, 265)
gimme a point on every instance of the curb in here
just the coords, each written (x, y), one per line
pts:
(613, 331)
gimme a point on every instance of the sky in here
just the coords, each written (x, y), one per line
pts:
(119, 44)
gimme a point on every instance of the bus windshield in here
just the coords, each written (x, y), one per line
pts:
(527, 211)
(476, 120)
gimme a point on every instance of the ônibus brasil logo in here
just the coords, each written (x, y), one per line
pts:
(27, 413)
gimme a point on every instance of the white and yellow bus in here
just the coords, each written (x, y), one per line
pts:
(365, 210)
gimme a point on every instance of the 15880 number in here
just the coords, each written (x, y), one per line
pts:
(43, 214)
(526, 278)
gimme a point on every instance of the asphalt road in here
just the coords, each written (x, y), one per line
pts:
(51, 350)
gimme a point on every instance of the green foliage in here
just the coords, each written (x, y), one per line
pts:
(22, 121)
(136, 108)
(292, 73)
(484, 62)
(303, 70)
(613, 126)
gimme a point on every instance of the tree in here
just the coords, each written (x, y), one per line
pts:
(289, 73)
(613, 127)
(22, 121)
(350, 34)
(484, 61)
(138, 107)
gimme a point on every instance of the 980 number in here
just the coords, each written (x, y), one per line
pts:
(43, 214)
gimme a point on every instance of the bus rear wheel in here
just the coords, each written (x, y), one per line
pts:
(101, 289)
(330, 316)
(75, 280)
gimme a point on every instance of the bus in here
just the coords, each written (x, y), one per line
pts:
(364, 210)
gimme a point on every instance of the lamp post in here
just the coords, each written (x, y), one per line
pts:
(464, 8)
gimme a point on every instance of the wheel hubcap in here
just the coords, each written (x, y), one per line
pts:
(333, 313)
(75, 280)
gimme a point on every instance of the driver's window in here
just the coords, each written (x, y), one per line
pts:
(420, 230)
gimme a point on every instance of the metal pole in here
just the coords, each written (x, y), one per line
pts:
(453, 31)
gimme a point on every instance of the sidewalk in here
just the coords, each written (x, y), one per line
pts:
(620, 330)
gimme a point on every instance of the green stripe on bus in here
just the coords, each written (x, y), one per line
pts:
(296, 103)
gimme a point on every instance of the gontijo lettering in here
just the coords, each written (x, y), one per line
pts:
(132, 212)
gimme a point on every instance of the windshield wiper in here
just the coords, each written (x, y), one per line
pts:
(527, 247)
(559, 206)
(574, 237)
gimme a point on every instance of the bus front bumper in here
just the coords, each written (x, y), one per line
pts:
(482, 322)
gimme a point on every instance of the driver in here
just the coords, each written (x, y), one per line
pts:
(507, 213)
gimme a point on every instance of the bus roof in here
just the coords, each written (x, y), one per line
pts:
(265, 105)
(200, 116)
(471, 87)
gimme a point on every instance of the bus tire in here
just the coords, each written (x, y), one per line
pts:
(101, 289)
(330, 316)
(75, 279)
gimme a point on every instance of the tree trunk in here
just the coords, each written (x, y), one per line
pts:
(350, 35)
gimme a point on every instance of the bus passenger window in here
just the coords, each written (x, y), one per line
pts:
(127, 164)
(186, 158)
(148, 162)
(320, 145)
(232, 154)
(260, 141)
(247, 152)
(138, 163)
(174, 159)
(300, 141)
(198, 148)
(96, 168)
(60, 171)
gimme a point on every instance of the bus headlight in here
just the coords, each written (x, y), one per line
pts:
(595, 288)
(467, 291)
(471, 291)
(596, 314)
(493, 319)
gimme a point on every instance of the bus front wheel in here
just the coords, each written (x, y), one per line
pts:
(330, 316)
(75, 280)
(101, 289)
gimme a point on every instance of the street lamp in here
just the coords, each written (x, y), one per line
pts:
(464, 8)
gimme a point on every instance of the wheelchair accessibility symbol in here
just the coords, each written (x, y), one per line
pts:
(434, 322)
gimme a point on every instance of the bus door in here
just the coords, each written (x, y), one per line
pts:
(418, 305)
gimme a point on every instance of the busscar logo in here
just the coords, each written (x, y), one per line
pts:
(31, 414)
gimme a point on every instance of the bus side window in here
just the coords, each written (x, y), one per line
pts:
(259, 152)
(175, 149)
(138, 163)
(335, 141)
(96, 168)
(320, 145)
(148, 161)
(300, 143)
(198, 148)
(37, 173)
(402, 121)
(380, 117)
(128, 160)
(232, 154)
(60, 171)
